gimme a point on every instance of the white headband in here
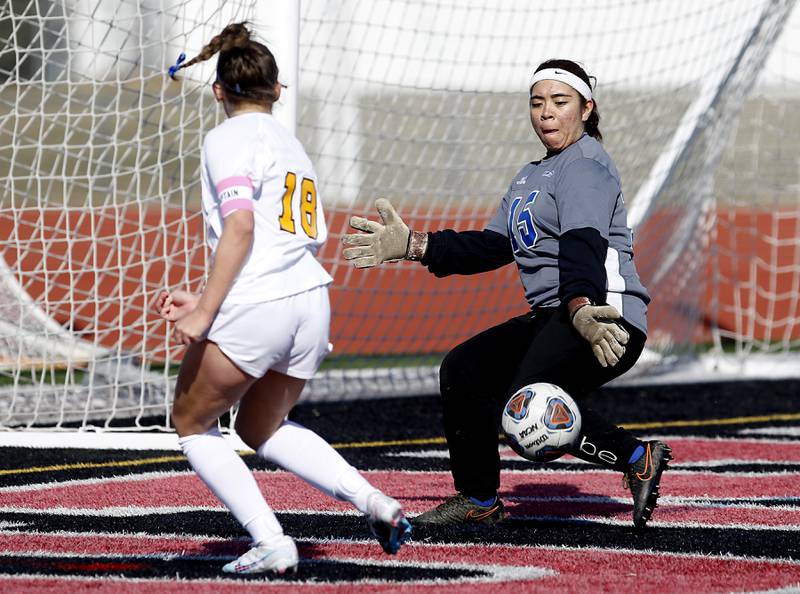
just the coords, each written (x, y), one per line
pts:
(562, 76)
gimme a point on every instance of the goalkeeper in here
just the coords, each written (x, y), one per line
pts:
(563, 221)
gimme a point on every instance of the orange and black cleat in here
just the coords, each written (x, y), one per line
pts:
(643, 478)
(460, 510)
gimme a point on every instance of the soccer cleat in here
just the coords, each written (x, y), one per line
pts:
(276, 557)
(460, 510)
(387, 522)
(643, 477)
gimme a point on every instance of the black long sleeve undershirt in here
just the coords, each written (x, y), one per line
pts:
(581, 259)
(466, 252)
(581, 265)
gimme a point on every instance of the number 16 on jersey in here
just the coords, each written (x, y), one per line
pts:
(520, 218)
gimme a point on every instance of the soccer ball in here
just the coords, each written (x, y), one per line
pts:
(541, 422)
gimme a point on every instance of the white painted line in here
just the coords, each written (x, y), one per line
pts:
(100, 440)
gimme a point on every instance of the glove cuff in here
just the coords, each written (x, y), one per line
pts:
(417, 245)
(574, 304)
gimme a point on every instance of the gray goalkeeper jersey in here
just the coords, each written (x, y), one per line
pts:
(574, 189)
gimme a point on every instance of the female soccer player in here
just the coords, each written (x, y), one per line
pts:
(259, 329)
(563, 222)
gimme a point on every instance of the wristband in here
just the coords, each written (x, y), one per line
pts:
(576, 303)
(417, 245)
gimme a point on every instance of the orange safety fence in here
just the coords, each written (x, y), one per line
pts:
(97, 270)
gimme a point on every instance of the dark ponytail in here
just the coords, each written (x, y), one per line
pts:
(246, 69)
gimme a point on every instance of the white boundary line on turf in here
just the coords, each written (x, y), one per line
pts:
(737, 503)
(134, 512)
(96, 480)
(443, 455)
(592, 520)
(159, 474)
(102, 440)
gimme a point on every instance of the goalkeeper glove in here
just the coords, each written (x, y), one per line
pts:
(387, 242)
(595, 323)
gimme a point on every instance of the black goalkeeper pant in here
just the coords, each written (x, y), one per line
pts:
(479, 376)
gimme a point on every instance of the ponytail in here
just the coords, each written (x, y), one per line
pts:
(246, 69)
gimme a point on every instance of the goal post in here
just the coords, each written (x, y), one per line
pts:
(278, 24)
(420, 102)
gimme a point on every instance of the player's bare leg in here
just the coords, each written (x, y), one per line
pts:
(208, 385)
(265, 406)
(261, 424)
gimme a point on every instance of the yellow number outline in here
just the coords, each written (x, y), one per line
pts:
(286, 220)
(308, 206)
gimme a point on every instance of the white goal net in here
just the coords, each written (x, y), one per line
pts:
(418, 101)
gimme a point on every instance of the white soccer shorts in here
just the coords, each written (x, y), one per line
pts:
(288, 335)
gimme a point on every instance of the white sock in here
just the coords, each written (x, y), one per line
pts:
(227, 477)
(306, 454)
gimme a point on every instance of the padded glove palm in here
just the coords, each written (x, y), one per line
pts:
(380, 242)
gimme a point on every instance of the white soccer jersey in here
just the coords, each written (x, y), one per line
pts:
(252, 162)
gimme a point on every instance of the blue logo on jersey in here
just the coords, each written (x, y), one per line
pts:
(521, 219)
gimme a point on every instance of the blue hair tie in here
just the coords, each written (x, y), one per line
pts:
(176, 67)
